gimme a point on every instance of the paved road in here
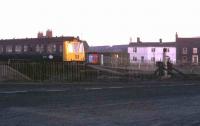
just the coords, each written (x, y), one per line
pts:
(155, 104)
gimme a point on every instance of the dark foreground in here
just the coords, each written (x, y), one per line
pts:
(168, 104)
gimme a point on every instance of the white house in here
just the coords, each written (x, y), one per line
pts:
(151, 52)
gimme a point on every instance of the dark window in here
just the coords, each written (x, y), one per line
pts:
(153, 49)
(134, 58)
(184, 59)
(184, 51)
(142, 58)
(1, 49)
(9, 48)
(134, 49)
(61, 48)
(168, 50)
(153, 59)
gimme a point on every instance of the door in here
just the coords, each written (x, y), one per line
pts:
(195, 59)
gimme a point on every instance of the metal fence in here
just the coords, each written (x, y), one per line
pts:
(49, 71)
(68, 72)
(41, 71)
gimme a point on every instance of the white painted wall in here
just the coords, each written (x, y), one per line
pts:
(148, 54)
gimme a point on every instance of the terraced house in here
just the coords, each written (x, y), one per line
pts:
(188, 50)
(150, 52)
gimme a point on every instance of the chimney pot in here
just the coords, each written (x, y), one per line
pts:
(160, 40)
(138, 40)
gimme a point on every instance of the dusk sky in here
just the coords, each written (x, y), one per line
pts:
(101, 22)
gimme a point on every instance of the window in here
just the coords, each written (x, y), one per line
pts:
(195, 59)
(51, 48)
(168, 50)
(194, 50)
(134, 49)
(134, 58)
(153, 49)
(41, 48)
(81, 48)
(54, 47)
(9, 48)
(61, 48)
(142, 58)
(1, 49)
(25, 48)
(153, 59)
(37, 48)
(184, 59)
(184, 51)
(18, 48)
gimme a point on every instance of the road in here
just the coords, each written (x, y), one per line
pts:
(121, 104)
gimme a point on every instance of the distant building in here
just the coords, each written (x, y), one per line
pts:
(108, 55)
(150, 52)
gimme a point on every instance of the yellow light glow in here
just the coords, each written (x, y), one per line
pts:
(73, 51)
(70, 48)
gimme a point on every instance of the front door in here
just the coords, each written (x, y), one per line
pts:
(195, 59)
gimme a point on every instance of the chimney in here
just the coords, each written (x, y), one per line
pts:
(160, 40)
(138, 40)
(49, 33)
(130, 39)
(40, 35)
(78, 38)
(176, 35)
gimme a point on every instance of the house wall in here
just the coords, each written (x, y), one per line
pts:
(147, 53)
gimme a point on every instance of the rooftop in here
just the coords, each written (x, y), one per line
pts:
(154, 44)
(103, 49)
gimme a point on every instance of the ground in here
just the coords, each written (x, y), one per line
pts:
(122, 104)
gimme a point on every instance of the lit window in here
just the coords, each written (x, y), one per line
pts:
(194, 50)
(134, 49)
(9, 48)
(81, 48)
(153, 49)
(116, 56)
(18, 48)
(70, 48)
(184, 51)
(1, 49)
(25, 48)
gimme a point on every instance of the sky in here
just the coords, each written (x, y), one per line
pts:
(101, 22)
